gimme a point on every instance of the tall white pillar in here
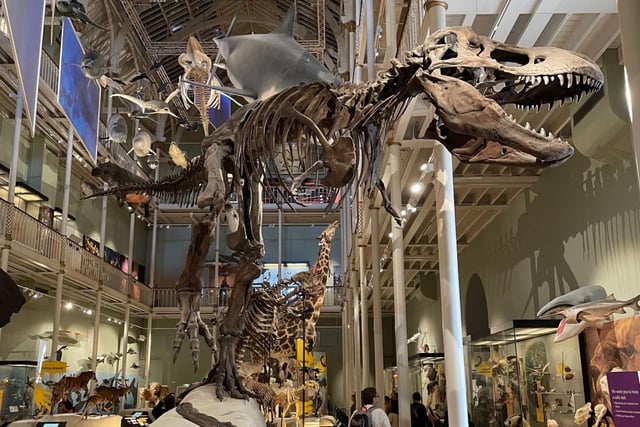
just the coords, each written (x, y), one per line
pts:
(125, 337)
(154, 235)
(378, 340)
(96, 330)
(147, 352)
(357, 343)
(629, 16)
(13, 170)
(399, 289)
(63, 231)
(364, 306)
(448, 260)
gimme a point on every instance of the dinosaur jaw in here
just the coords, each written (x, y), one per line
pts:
(476, 128)
(470, 77)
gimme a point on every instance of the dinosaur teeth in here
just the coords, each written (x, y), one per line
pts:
(561, 79)
(527, 126)
(542, 132)
(545, 79)
(569, 80)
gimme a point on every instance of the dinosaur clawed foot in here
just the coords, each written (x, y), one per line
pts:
(192, 326)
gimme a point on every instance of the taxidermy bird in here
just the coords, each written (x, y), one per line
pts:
(76, 11)
(414, 337)
(148, 107)
(59, 353)
(177, 155)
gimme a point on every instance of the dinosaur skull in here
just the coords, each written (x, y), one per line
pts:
(469, 77)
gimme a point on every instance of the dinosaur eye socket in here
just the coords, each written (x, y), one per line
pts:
(538, 59)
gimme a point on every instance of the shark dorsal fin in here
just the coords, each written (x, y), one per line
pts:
(286, 26)
(611, 297)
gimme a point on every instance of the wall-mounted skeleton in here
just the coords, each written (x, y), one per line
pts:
(466, 77)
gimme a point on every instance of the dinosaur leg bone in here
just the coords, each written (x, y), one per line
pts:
(225, 373)
(214, 192)
(188, 292)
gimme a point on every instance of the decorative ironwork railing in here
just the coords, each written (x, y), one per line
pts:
(22, 229)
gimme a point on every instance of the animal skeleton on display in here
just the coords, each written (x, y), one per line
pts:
(466, 77)
(197, 67)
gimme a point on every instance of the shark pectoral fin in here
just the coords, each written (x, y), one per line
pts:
(592, 318)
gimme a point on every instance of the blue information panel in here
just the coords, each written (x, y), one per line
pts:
(78, 95)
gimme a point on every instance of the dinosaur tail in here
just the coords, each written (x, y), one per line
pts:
(181, 188)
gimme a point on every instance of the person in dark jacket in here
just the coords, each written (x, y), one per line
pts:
(418, 412)
(168, 403)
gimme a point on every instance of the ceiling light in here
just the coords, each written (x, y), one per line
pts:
(68, 306)
(416, 187)
(176, 27)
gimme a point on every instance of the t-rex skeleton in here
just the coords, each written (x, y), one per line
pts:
(466, 77)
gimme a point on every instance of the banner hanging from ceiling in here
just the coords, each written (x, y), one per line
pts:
(25, 19)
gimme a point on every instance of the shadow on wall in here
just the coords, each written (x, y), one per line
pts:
(598, 205)
(476, 314)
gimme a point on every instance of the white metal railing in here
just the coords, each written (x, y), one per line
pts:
(82, 261)
(211, 297)
(166, 297)
(21, 228)
(49, 71)
(115, 279)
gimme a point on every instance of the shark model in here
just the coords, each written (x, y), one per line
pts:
(592, 313)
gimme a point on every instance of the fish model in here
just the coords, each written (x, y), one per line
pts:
(598, 311)
(593, 313)
(577, 296)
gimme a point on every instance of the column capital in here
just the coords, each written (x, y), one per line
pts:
(433, 3)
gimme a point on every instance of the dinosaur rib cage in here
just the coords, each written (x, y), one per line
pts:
(270, 131)
(260, 324)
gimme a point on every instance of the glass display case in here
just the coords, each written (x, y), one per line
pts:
(521, 371)
(426, 375)
(16, 389)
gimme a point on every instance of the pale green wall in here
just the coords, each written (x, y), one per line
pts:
(36, 317)
(578, 225)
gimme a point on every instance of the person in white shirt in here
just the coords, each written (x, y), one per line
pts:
(370, 398)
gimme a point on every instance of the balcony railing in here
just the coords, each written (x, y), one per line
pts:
(211, 297)
(24, 230)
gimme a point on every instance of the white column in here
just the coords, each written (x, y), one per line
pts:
(399, 290)
(15, 151)
(96, 331)
(448, 260)
(629, 16)
(147, 352)
(13, 169)
(371, 49)
(154, 236)
(364, 306)
(125, 336)
(378, 339)
(357, 343)
(391, 26)
(63, 231)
